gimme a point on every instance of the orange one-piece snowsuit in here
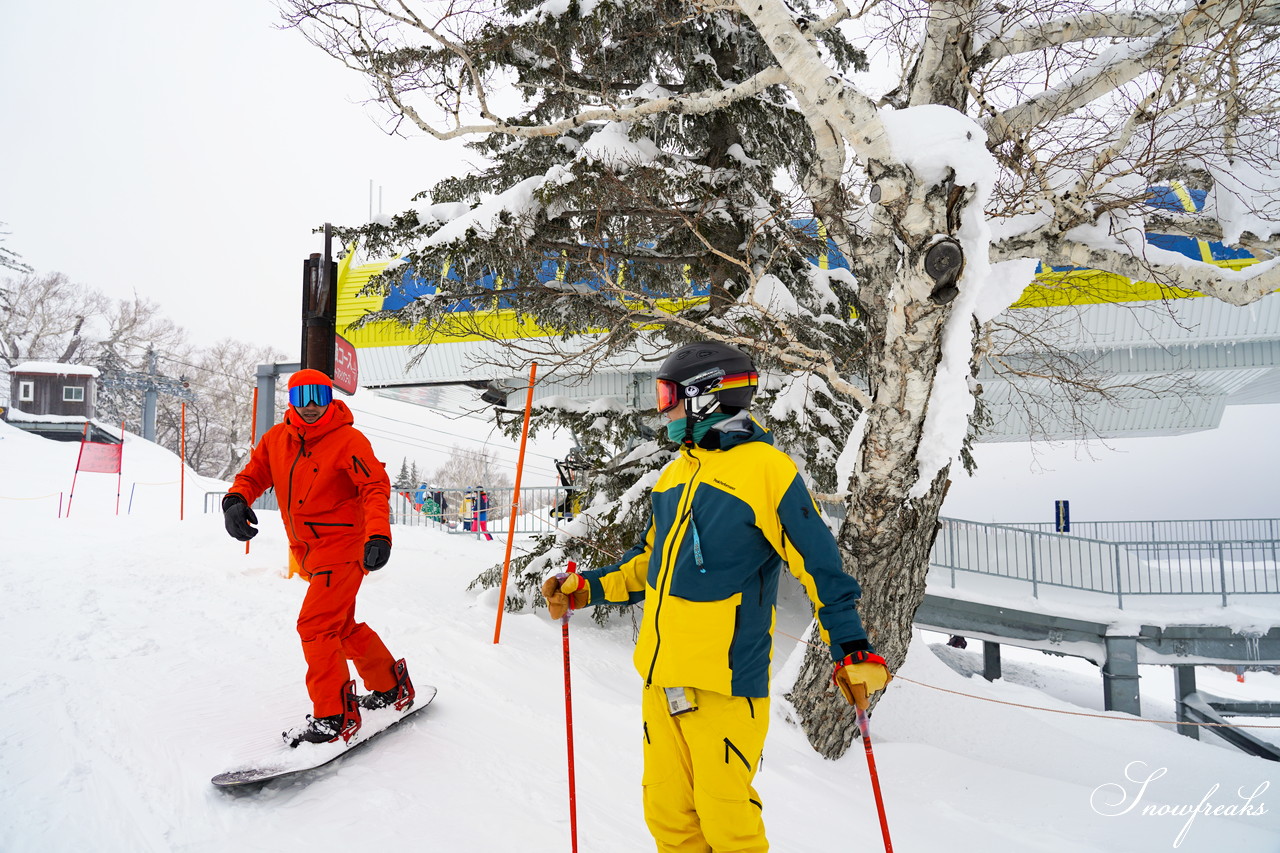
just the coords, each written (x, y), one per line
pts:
(334, 494)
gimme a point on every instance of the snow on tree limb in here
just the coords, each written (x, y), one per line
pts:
(1077, 28)
(1235, 287)
(1124, 64)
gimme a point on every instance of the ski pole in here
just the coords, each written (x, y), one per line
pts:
(568, 710)
(864, 725)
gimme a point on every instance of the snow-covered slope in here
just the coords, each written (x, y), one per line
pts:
(143, 654)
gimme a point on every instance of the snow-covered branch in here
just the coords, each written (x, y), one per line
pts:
(696, 103)
(1123, 64)
(1235, 287)
(820, 92)
(1078, 28)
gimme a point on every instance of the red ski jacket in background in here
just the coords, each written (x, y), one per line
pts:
(333, 492)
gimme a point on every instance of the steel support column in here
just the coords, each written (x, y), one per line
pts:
(990, 660)
(1120, 676)
(1184, 684)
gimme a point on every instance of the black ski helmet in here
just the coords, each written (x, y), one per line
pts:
(709, 367)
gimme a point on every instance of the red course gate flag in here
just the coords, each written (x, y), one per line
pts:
(99, 457)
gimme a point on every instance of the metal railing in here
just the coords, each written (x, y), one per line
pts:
(1119, 567)
(1212, 567)
(542, 509)
(213, 501)
(1176, 530)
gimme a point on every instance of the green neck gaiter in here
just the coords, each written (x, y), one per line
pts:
(675, 429)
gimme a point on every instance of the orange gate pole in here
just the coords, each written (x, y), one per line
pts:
(253, 436)
(515, 502)
(182, 462)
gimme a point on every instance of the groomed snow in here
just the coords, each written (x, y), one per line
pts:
(144, 654)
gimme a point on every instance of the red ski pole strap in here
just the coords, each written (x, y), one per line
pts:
(858, 657)
(562, 577)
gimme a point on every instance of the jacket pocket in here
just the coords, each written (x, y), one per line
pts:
(730, 751)
(318, 528)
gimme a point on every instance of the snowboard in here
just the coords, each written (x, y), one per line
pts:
(309, 756)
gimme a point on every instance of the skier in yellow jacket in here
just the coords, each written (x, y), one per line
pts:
(726, 514)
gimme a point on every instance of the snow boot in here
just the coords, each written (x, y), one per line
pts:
(331, 728)
(316, 730)
(400, 696)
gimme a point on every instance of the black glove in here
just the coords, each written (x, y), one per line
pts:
(238, 515)
(376, 552)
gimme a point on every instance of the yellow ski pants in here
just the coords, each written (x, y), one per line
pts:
(698, 769)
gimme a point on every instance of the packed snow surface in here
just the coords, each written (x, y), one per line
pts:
(145, 653)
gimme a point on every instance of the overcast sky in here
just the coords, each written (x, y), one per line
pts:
(186, 152)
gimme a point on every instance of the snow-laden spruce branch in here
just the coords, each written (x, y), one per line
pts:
(348, 39)
(700, 103)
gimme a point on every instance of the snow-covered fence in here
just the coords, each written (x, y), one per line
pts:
(1213, 567)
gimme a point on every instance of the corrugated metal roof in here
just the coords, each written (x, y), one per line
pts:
(1174, 367)
(1143, 324)
(1169, 369)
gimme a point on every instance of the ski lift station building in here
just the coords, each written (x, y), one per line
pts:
(1174, 359)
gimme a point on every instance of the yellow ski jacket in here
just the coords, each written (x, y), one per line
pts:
(724, 518)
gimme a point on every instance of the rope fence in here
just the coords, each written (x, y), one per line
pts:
(1125, 719)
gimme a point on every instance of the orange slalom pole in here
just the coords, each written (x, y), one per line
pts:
(515, 503)
(860, 701)
(120, 470)
(182, 461)
(83, 435)
(253, 437)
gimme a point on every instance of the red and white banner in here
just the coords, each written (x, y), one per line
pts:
(98, 457)
(346, 366)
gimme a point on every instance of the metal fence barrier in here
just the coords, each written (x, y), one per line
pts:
(463, 511)
(1026, 552)
(1211, 567)
(213, 501)
(1176, 530)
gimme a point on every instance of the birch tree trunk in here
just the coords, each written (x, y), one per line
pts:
(886, 535)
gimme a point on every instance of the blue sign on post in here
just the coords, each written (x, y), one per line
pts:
(1062, 516)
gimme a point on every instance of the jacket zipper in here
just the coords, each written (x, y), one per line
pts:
(669, 561)
(302, 450)
(728, 746)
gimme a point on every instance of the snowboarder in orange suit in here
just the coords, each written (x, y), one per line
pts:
(334, 500)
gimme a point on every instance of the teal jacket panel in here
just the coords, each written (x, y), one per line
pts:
(723, 521)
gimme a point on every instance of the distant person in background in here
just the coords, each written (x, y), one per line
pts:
(468, 511)
(482, 514)
(441, 504)
(475, 512)
(334, 498)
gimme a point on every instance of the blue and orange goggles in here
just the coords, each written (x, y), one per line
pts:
(310, 395)
(671, 393)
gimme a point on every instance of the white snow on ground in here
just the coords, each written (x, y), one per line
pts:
(143, 654)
